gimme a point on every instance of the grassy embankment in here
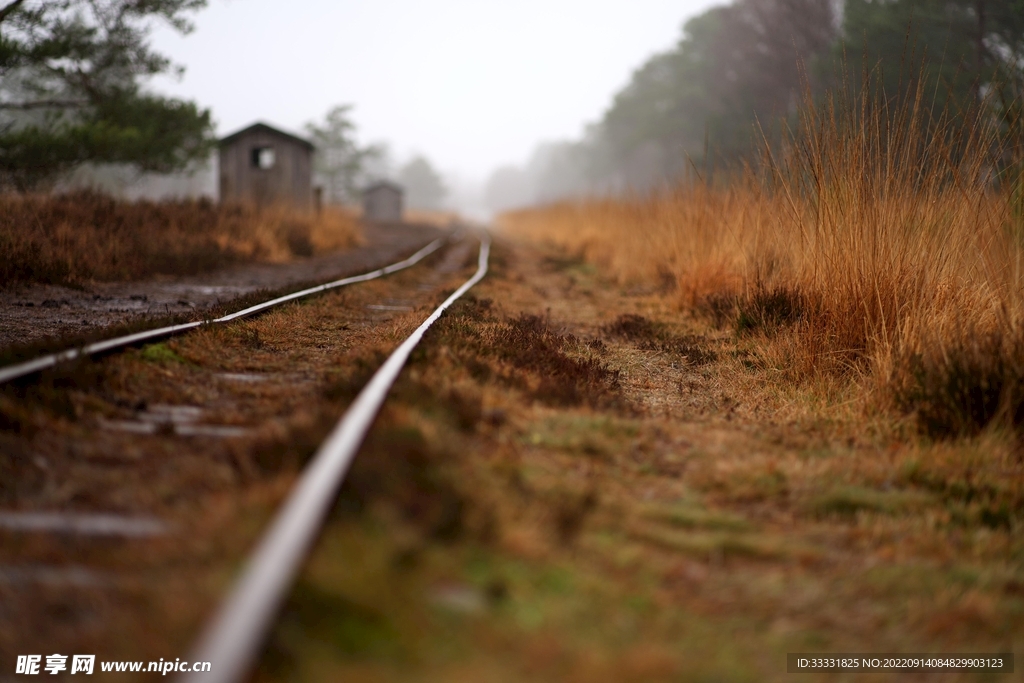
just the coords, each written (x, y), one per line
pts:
(873, 259)
(747, 456)
(72, 239)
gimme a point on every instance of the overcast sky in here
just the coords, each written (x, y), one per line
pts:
(472, 84)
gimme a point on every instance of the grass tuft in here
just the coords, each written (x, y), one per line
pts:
(847, 501)
(976, 381)
(529, 345)
(524, 352)
(651, 336)
(877, 247)
(633, 327)
(769, 308)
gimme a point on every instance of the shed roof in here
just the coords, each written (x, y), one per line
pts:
(383, 184)
(266, 128)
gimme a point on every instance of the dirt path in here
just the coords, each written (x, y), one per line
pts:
(31, 313)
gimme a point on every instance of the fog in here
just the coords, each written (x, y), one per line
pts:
(483, 107)
(471, 86)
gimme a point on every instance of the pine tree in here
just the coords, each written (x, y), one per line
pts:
(72, 76)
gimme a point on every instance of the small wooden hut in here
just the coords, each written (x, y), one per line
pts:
(264, 165)
(382, 202)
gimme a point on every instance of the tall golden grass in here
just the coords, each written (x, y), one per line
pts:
(873, 245)
(76, 238)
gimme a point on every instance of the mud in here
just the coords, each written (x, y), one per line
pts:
(36, 312)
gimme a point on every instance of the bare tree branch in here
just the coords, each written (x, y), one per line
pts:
(44, 104)
(8, 8)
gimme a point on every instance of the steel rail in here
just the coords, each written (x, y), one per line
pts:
(234, 637)
(17, 370)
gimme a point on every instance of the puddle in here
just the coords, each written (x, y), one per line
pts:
(130, 426)
(242, 377)
(458, 598)
(208, 290)
(179, 420)
(184, 428)
(219, 431)
(72, 576)
(83, 524)
(164, 414)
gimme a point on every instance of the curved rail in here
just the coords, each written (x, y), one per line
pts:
(50, 360)
(234, 637)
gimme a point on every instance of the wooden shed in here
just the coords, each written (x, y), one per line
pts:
(264, 165)
(382, 202)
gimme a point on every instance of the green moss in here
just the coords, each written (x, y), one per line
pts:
(161, 353)
(594, 435)
(849, 500)
(317, 619)
(689, 516)
(718, 544)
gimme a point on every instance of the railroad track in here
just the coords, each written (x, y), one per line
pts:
(50, 360)
(234, 638)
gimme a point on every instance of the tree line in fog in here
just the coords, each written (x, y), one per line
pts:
(739, 71)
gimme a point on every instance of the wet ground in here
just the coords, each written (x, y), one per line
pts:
(570, 481)
(108, 554)
(35, 312)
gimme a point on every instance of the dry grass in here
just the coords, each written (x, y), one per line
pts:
(873, 247)
(542, 498)
(560, 487)
(75, 238)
